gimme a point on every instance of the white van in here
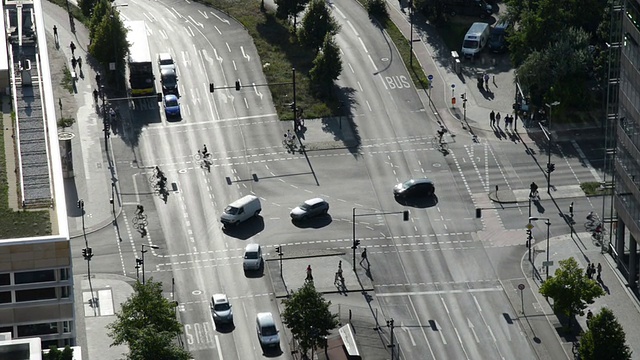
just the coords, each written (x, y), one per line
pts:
(241, 210)
(267, 330)
(475, 39)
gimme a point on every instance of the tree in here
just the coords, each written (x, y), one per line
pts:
(570, 289)
(55, 353)
(109, 43)
(287, 8)
(102, 9)
(307, 315)
(377, 9)
(327, 65)
(87, 6)
(316, 24)
(147, 324)
(604, 339)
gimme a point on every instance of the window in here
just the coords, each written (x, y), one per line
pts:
(5, 297)
(5, 329)
(64, 274)
(5, 279)
(38, 329)
(66, 326)
(35, 294)
(28, 277)
(64, 292)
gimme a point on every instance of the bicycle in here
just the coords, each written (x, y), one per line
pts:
(438, 143)
(592, 222)
(289, 144)
(140, 220)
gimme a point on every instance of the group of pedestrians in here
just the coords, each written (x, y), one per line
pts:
(494, 119)
(592, 269)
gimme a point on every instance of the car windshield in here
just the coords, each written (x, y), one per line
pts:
(231, 210)
(169, 81)
(171, 102)
(269, 330)
(251, 255)
(470, 44)
(305, 206)
(221, 307)
(166, 61)
(407, 184)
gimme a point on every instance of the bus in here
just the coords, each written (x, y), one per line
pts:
(141, 79)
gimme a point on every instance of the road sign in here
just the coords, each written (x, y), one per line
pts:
(453, 86)
(430, 77)
(521, 287)
(529, 226)
(547, 263)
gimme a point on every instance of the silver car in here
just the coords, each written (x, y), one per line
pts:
(221, 309)
(310, 208)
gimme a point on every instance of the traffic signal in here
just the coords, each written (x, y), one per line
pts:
(292, 105)
(278, 250)
(84, 253)
(237, 85)
(551, 167)
(405, 215)
(356, 243)
(211, 88)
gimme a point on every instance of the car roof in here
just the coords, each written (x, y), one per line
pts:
(252, 247)
(314, 201)
(421, 181)
(170, 97)
(220, 298)
(265, 319)
(164, 56)
(167, 71)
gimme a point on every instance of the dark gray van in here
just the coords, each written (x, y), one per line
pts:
(497, 39)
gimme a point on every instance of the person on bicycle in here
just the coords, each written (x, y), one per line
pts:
(139, 210)
(441, 135)
(159, 173)
(162, 183)
(204, 150)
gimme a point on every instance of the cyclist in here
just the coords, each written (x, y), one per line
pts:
(162, 183)
(139, 210)
(159, 173)
(204, 150)
(441, 135)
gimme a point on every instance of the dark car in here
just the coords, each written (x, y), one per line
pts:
(497, 39)
(415, 187)
(477, 8)
(169, 81)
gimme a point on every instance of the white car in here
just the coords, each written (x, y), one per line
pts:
(221, 309)
(310, 208)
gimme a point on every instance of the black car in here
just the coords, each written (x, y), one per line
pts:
(477, 8)
(415, 187)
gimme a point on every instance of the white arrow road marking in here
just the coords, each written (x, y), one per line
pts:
(219, 18)
(195, 22)
(206, 56)
(473, 330)
(439, 330)
(244, 54)
(406, 329)
(215, 53)
(204, 14)
(255, 88)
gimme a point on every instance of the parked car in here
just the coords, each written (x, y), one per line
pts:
(267, 330)
(221, 309)
(310, 208)
(497, 39)
(171, 106)
(476, 8)
(415, 187)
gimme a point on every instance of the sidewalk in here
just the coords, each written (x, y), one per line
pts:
(91, 183)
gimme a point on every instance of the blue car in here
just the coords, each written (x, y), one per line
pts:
(171, 106)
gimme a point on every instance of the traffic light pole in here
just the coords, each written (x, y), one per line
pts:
(87, 254)
(354, 246)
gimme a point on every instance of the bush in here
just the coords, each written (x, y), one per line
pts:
(377, 9)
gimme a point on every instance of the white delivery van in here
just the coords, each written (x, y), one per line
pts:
(475, 39)
(241, 210)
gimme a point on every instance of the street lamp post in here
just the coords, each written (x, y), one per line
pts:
(548, 223)
(87, 254)
(141, 261)
(549, 166)
(411, 41)
(356, 242)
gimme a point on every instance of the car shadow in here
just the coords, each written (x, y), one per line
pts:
(225, 328)
(315, 223)
(246, 229)
(421, 202)
(255, 274)
(272, 352)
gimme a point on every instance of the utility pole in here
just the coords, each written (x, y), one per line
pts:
(141, 261)
(392, 345)
(87, 254)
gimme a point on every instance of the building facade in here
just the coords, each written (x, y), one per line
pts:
(626, 184)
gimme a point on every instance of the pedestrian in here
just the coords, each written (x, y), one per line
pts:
(55, 32)
(80, 62)
(498, 120)
(309, 274)
(95, 95)
(364, 257)
(74, 62)
(73, 48)
(599, 270)
(492, 117)
(589, 316)
(486, 80)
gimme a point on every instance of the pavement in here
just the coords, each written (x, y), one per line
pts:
(353, 300)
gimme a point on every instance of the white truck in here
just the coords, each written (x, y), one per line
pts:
(475, 39)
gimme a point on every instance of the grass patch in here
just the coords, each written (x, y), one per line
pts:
(16, 224)
(594, 188)
(67, 80)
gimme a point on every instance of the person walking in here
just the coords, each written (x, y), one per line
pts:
(80, 63)
(95, 95)
(599, 271)
(74, 62)
(498, 119)
(55, 33)
(309, 277)
(364, 257)
(72, 46)
(492, 117)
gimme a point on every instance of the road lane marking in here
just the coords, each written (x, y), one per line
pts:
(439, 292)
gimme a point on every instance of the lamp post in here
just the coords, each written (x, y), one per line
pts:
(548, 223)
(550, 167)
(356, 242)
(141, 261)
(411, 41)
(87, 254)
(392, 345)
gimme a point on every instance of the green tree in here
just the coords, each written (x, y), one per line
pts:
(146, 323)
(327, 66)
(55, 353)
(87, 6)
(290, 8)
(316, 24)
(306, 313)
(605, 339)
(109, 43)
(102, 9)
(377, 9)
(570, 289)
